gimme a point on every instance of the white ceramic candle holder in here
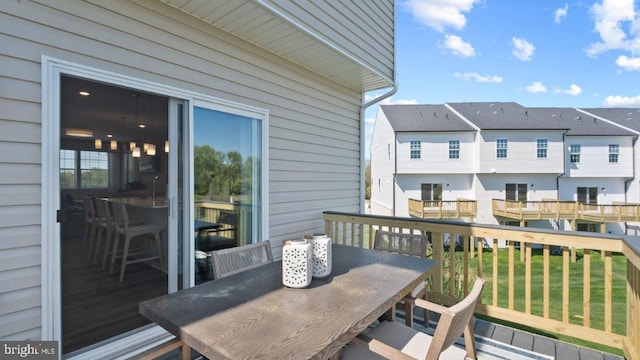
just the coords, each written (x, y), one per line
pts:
(297, 268)
(321, 257)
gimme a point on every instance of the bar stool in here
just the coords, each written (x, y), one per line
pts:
(104, 221)
(90, 225)
(129, 232)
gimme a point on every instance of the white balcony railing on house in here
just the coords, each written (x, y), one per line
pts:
(596, 299)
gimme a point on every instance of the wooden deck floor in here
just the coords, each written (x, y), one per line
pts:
(532, 342)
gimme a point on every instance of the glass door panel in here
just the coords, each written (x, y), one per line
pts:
(227, 183)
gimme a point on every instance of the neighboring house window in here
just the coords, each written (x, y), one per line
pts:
(431, 192)
(588, 195)
(516, 192)
(81, 169)
(541, 146)
(574, 153)
(415, 149)
(501, 148)
(454, 149)
(614, 151)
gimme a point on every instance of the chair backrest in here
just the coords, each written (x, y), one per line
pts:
(228, 218)
(120, 217)
(405, 244)
(231, 261)
(454, 320)
(101, 210)
(89, 208)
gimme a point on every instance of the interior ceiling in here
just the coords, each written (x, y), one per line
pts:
(112, 110)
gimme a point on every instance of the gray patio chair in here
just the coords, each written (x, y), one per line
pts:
(405, 244)
(227, 262)
(393, 340)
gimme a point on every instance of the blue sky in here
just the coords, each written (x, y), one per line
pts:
(534, 52)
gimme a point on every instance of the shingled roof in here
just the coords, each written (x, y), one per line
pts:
(578, 123)
(504, 116)
(627, 117)
(424, 118)
(510, 116)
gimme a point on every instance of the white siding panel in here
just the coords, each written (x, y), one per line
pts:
(594, 157)
(383, 153)
(19, 174)
(20, 321)
(20, 300)
(19, 278)
(308, 114)
(521, 153)
(435, 154)
(19, 237)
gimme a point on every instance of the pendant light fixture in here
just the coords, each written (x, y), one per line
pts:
(98, 144)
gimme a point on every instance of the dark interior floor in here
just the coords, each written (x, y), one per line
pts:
(95, 304)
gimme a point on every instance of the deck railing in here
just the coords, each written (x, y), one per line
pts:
(443, 209)
(596, 299)
(562, 209)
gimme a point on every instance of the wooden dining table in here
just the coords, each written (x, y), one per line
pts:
(253, 315)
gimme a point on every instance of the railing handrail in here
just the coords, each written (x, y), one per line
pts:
(357, 230)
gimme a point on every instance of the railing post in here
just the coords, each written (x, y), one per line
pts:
(438, 254)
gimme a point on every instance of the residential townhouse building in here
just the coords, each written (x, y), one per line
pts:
(509, 155)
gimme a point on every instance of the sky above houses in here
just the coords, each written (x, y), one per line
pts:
(538, 53)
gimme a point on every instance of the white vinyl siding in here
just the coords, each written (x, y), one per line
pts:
(522, 152)
(314, 153)
(435, 154)
(596, 155)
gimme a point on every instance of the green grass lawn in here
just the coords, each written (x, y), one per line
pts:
(619, 314)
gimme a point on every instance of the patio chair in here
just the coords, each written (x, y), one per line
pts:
(222, 236)
(405, 244)
(227, 262)
(393, 340)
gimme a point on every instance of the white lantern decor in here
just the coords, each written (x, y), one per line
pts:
(297, 268)
(321, 255)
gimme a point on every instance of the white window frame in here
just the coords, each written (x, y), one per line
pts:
(502, 146)
(614, 153)
(454, 149)
(575, 151)
(415, 149)
(542, 148)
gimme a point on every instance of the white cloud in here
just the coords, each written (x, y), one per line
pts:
(479, 78)
(622, 101)
(458, 47)
(370, 120)
(522, 49)
(536, 87)
(389, 101)
(440, 14)
(627, 63)
(611, 17)
(573, 90)
(561, 13)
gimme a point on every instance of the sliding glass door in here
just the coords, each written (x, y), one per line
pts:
(228, 181)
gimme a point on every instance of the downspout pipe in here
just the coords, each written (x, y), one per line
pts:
(363, 160)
